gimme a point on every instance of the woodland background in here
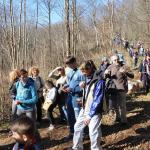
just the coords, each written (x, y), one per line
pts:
(86, 30)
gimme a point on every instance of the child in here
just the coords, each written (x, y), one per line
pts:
(50, 97)
(23, 131)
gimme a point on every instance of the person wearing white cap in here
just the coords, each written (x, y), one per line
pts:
(118, 88)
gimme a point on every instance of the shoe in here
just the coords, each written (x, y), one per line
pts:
(51, 127)
(69, 137)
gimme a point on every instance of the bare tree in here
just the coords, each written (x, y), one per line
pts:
(67, 26)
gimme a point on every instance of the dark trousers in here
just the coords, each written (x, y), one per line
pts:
(39, 108)
(50, 110)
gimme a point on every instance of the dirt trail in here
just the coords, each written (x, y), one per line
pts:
(134, 136)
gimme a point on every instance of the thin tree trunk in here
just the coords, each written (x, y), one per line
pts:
(74, 27)
(67, 24)
(25, 37)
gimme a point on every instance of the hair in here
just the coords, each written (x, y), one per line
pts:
(23, 125)
(13, 75)
(88, 64)
(49, 83)
(70, 60)
(31, 69)
(23, 71)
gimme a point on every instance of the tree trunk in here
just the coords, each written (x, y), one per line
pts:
(67, 25)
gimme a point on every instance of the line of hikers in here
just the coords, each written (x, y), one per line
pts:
(79, 94)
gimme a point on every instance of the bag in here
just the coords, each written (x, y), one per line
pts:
(110, 86)
(46, 105)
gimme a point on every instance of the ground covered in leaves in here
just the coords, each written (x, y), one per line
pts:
(134, 136)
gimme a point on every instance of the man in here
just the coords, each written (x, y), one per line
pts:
(118, 73)
(90, 114)
(74, 77)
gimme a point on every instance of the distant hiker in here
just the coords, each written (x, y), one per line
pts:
(131, 51)
(144, 70)
(26, 97)
(126, 45)
(24, 132)
(50, 94)
(61, 79)
(135, 59)
(141, 50)
(118, 87)
(13, 78)
(72, 88)
(91, 112)
(34, 74)
(103, 66)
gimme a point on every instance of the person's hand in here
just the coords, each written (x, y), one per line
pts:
(107, 71)
(82, 84)
(87, 120)
(18, 102)
(122, 70)
(67, 90)
(79, 101)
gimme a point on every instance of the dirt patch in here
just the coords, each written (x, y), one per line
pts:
(134, 136)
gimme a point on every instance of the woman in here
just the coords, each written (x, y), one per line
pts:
(59, 74)
(34, 74)
(13, 78)
(26, 97)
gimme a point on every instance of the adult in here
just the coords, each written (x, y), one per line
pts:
(90, 114)
(104, 65)
(13, 78)
(144, 70)
(34, 74)
(72, 88)
(26, 96)
(61, 79)
(118, 74)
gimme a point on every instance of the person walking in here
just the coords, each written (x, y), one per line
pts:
(91, 112)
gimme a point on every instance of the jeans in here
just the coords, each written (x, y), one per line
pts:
(72, 111)
(63, 112)
(29, 113)
(94, 132)
(14, 109)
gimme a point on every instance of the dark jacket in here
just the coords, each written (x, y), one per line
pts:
(12, 89)
(120, 79)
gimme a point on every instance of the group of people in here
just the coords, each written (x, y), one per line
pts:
(139, 51)
(79, 93)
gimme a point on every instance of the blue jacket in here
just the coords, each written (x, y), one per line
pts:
(98, 96)
(98, 93)
(74, 77)
(27, 94)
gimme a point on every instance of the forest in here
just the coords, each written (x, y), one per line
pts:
(43, 32)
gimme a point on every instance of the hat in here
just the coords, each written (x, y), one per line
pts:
(104, 59)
